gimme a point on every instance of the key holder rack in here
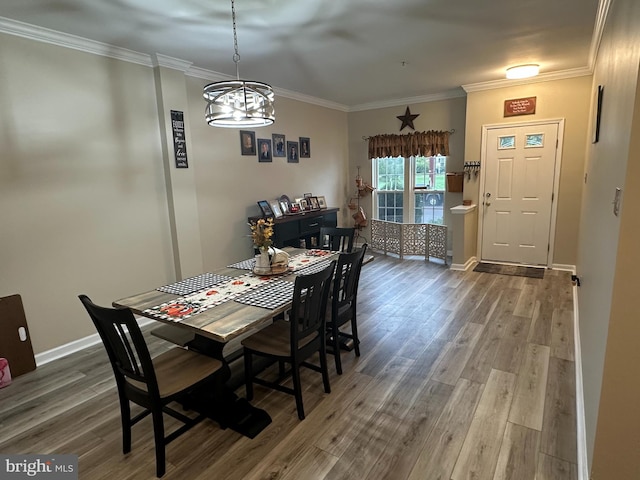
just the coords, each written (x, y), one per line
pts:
(471, 167)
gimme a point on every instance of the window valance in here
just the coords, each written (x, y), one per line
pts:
(409, 145)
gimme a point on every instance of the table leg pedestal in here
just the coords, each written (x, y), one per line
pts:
(221, 403)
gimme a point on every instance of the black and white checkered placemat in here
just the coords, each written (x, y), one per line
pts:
(271, 296)
(193, 284)
(314, 268)
(244, 265)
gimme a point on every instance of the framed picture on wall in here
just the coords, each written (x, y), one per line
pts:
(292, 152)
(278, 145)
(247, 142)
(305, 147)
(264, 150)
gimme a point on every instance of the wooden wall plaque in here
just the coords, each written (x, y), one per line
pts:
(520, 106)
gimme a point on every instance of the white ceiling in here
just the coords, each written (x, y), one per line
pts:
(354, 53)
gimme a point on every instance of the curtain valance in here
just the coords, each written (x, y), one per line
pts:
(409, 145)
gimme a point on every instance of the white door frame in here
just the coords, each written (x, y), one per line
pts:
(556, 179)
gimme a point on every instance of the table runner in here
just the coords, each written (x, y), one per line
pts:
(187, 306)
(314, 267)
(270, 296)
(193, 284)
(244, 264)
(296, 262)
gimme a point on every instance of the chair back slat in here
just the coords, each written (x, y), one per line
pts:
(337, 239)
(345, 283)
(124, 342)
(310, 296)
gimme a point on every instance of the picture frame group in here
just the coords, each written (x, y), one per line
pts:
(310, 202)
(276, 146)
(282, 206)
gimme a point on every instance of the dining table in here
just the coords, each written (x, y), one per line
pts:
(220, 308)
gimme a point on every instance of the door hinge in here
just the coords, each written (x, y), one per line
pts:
(553, 196)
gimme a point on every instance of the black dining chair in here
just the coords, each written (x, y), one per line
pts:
(150, 383)
(337, 239)
(294, 340)
(344, 299)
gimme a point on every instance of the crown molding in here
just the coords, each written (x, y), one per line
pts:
(45, 35)
(456, 93)
(544, 77)
(212, 76)
(598, 30)
(160, 60)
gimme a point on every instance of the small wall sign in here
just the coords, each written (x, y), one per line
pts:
(520, 106)
(179, 140)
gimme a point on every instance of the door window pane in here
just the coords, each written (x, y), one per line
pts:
(506, 142)
(534, 141)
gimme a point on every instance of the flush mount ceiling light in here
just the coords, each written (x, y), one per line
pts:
(523, 71)
(238, 103)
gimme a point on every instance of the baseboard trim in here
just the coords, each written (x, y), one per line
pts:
(462, 267)
(564, 267)
(75, 346)
(581, 433)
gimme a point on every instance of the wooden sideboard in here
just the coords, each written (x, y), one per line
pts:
(288, 231)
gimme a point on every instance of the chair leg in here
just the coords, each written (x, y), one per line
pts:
(335, 333)
(158, 433)
(248, 374)
(125, 418)
(354, 333)
(295, 372)
(324, 368)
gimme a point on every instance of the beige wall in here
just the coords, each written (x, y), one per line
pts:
(83, 190)
(609, 261)
(229, 184)
(438, 115)
(568, 99)
(617, 436)
(81, 185)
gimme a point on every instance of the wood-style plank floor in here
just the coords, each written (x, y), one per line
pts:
(463, 375)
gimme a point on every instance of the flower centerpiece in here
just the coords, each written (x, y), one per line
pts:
(261, 233)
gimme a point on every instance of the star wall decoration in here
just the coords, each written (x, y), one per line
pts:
(407, 119)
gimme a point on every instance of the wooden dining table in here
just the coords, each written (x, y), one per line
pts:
(218, 329)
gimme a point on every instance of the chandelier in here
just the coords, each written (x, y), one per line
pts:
(238, 103)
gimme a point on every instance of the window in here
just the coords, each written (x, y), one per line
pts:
(390, 184)
(424, 198)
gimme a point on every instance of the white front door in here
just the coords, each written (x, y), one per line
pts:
(519, 165)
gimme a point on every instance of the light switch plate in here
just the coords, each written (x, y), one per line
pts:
(616, 201)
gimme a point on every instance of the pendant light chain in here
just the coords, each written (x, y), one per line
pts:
(236, 55)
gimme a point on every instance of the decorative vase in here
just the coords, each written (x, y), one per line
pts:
(263, 261)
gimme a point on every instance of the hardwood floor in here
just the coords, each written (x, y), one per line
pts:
(463, 375)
